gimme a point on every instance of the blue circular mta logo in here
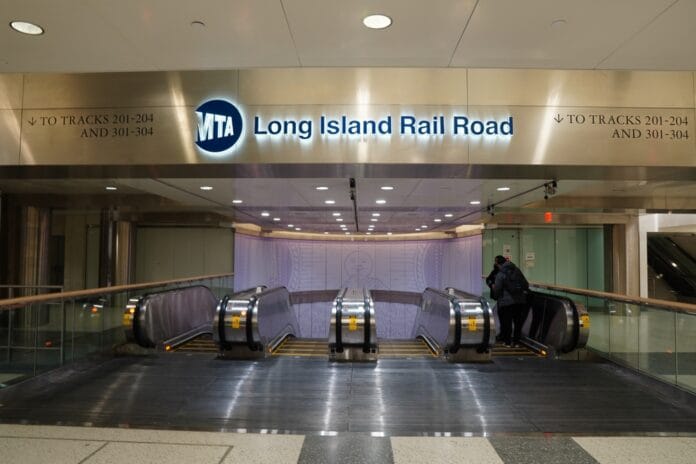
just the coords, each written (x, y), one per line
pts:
(220, 125)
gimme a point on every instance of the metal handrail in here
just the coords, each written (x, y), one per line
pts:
(663, 304)
(13, 303)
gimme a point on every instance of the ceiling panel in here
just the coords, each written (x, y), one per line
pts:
(75, 39)
(331, 33)
(511, 33)
(237, 33)
(667, 43)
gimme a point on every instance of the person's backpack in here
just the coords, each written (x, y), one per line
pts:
(516, 284)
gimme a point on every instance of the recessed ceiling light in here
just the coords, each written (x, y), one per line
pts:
(291, 225)
(369, 233)
(237, 202)
(206, 187)
(377, 21)
(449, 215)
(347, 233)
(297, 228)
(424, 226)
(339, 219)
(321, 187)
(387, 187)
(380, 202)
(475, 202)
(336, 214)
(110, 187)
(437, 220)
(418, 229)
(26, 27)
(375, 214)
(374, 219)
(265, 214)
(558, 23)
(276, 219)
(330, 202)
(326, 233)
(503, 189)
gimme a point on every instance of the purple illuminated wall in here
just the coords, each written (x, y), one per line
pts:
(321, 265)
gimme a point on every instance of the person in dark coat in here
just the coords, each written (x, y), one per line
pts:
(510, 289)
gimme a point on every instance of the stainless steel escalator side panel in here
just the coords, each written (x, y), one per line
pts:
(353, 326)
(435, 320)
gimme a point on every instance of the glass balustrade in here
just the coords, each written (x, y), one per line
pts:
(653, 337)
(70, 327)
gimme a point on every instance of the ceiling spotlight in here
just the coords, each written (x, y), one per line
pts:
(449, 215)
(387, 187)
(369, 233)
(336, 214)
(424, 227)
(475, 202)
(437, 220)
(417, 229)
(237, 202)
(380, 201)
(26, 27)
(291, 225)
(265, 214)
(330, 202)
(377, 21)
(297, 228)
(503, 189)
(339, 219)
(374, 220)
(389, 233)
(375, 214)
(206, 187)
(276, 219)
(326, 233)
(110, 187)
(347, 233)
(321, 187)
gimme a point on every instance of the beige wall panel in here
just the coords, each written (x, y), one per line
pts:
(10, 91)
(123, 90)
(349, 86)
(171, 252)
(10, 124)
(528, 87)
(540, 140)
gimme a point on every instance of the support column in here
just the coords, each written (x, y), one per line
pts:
(116, 250)
(622, 257)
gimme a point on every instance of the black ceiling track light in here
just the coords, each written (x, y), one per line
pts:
(550, 188)
(354, 199)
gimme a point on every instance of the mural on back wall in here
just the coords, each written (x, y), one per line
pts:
(323, 265)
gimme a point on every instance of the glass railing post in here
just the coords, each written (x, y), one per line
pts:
(62, 332)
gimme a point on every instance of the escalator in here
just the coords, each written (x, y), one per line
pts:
(168, 319)
(669, 258)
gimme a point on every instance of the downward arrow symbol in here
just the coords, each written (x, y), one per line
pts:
(32, 121)
(558, 118)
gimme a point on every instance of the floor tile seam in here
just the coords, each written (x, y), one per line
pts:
(224, 456)
(93, 453)
(132, 442)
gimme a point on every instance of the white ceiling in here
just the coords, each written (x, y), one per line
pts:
(142, 35)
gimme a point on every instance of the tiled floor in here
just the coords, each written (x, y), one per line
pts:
(22, 444)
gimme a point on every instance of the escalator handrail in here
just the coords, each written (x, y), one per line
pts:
(221, 321)
(367, 309)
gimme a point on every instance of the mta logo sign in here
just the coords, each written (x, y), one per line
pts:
(219, 126)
